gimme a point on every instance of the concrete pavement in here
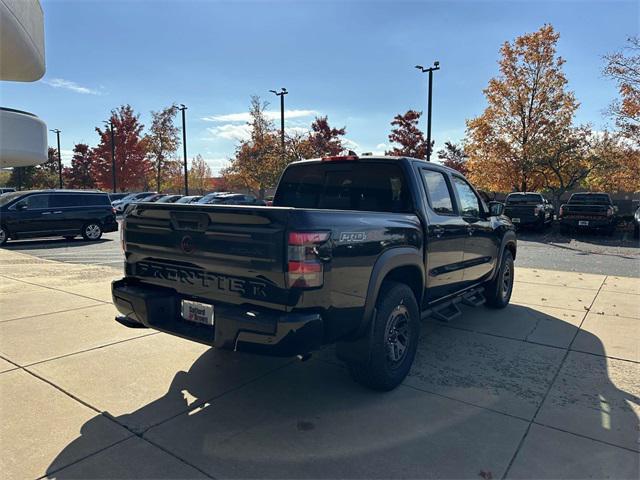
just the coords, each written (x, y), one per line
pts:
(547, 388)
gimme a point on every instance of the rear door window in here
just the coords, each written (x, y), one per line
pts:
(469, 201)
(37, 201)
(438, 193)
(78, 200)
(352, 185)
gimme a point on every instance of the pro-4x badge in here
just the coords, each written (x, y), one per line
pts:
(351, 237)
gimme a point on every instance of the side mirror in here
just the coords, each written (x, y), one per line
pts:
(496, 209)
(21, 206)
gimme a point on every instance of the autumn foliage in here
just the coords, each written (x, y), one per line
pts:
(407, 138)
(526, 139)
(133, 168)
(625, 70)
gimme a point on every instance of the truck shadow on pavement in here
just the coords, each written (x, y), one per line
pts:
(461, 413)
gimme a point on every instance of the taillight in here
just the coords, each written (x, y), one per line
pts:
(561, 212)
(609, 211)
(304, 268)
(113, 210)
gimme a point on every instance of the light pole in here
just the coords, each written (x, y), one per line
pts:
(113, 154)
(57, 132)
(281, 94)
(436, 66)
(184, 148)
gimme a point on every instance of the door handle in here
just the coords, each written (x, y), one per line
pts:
(45, 213)
(59, 211)
(437, 231)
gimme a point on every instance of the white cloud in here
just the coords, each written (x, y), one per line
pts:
(270, 114)
(69, 85)
(217, 164)
(350, 144)
(230, 131)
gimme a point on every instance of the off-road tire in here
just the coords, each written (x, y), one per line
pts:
(498, 291)
(397, 318)
(92, 231)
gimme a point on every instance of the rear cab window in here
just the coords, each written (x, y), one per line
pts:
(514, 198)
(348, 185)
(589, 198)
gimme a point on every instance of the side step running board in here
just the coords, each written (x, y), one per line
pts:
(474, 298)
(447, 312)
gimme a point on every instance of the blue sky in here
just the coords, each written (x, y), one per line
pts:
(350, 60)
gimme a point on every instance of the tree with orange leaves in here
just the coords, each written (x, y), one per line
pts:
(625, 70)
(528, 109)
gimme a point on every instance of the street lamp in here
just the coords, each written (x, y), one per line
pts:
(281, 94)
(57, 132)
(184, 148)
(113, 154)
(436, 66)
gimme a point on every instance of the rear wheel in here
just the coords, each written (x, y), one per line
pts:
(498, 291)
(92, 231)
(4, 235)
(396, 331)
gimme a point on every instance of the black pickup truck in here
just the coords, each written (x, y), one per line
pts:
(588, 211)
(529, 209)
(354, 251)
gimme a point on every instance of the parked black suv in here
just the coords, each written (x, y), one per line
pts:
(48, 213)
(353, 251)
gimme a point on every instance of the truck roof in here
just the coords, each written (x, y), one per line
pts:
(378, 158)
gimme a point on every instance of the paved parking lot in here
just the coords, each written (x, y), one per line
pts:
(546, 388)
(595, 253)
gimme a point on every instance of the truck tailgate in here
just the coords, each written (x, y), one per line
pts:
(231, 254)
(584, 210)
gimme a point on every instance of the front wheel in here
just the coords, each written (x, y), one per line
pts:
(395, 336)
(92, 231)
(498, 291)
(4, 236)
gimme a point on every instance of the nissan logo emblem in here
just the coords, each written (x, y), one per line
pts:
(186, 244)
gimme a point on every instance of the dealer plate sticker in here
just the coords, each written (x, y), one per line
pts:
(583, 223)
(197, 312)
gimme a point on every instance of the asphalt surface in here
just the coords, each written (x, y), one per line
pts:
(599, 254)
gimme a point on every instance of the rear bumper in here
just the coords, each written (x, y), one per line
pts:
(526, 220)
(235, 327)
(604, 222)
